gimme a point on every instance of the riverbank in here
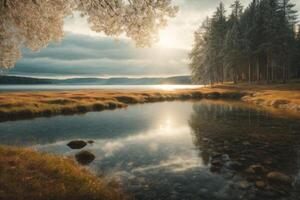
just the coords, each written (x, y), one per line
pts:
(26, 174)
(23, 105)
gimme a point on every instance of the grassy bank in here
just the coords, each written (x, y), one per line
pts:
(279, 96)
(21, 105)
(27, 175)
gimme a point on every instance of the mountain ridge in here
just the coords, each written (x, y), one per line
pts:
(20, 80)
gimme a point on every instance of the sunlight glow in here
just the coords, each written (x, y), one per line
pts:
(176, 87)
(167, 40)
(167, 126)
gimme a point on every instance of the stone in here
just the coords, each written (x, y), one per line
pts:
(244, 184)
(260, 184)
(216, 162)
(77, 144)
(256, 169)
(85, 157)
(279, 178)
(246, 143)
(90, 141)
(235, 165)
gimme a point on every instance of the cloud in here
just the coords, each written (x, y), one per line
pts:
(101, 56)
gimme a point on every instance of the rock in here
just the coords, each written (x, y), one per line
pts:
(90, 141)
(256, 169)
(77, 144)
(235, 165)
(84, 157)
(244, 184)
(225, 157)
(260, 184)
(216, 162)
(246, 143)
(279, 178)
(268, 161)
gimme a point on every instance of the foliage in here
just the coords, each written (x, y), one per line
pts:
(260, 44)
(35, 23)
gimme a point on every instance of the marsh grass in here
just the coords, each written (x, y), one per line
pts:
(28, 175)
(35, 104)
(22, 105)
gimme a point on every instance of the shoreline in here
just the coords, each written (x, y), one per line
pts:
(29, 174)
(28, 105)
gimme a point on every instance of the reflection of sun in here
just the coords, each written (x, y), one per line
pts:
(167, 125)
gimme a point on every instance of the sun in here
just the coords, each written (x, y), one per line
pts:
(166, 40)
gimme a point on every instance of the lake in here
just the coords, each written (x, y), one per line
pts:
(17, 88)
(176, 150)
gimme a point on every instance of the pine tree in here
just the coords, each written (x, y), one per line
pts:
(232, 49)
(218, 34)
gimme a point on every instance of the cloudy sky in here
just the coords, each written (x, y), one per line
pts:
(86, 53)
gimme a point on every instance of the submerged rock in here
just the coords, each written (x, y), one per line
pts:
(279, 178)
(244, 184)
(84, 157)
(77, 144)
(91, 141)
(260, 184)
(235, 165)
(256, 169)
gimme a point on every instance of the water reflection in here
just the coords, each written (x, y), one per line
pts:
(248, 139)
(176, 150)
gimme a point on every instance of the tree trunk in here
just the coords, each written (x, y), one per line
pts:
(249, 73)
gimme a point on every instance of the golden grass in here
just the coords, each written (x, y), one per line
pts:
(279, 96)
(28, 175)
(19, 105)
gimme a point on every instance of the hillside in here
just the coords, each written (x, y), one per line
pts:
(182, 80)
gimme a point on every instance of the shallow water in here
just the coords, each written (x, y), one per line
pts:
(166, 150)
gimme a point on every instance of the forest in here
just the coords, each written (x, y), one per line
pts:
(258, 44)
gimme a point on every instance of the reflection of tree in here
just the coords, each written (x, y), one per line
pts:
(247, 136)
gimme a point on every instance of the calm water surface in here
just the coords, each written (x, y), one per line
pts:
(53, 87)
(168, 150)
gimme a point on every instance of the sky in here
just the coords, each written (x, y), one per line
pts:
(84, 53)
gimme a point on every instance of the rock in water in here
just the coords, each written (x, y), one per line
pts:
(256, 169)
(91, 141)
(77, 144)
(84, 157)
(260, 184)
(279, 178)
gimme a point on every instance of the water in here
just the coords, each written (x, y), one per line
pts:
(167, 150)
(14, 88)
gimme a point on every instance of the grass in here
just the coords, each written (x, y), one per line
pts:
(280, 96)
(21, 105)
(27, 175)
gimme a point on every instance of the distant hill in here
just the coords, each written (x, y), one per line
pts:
(175, 80)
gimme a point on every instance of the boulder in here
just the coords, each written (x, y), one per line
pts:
(77, 144)
(279, 178)
(85, 157)
(256, 169)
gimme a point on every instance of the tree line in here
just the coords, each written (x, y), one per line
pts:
(260, 43)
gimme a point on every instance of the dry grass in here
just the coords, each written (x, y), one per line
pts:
(279, 96)
(29, 175)
(19, 105)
